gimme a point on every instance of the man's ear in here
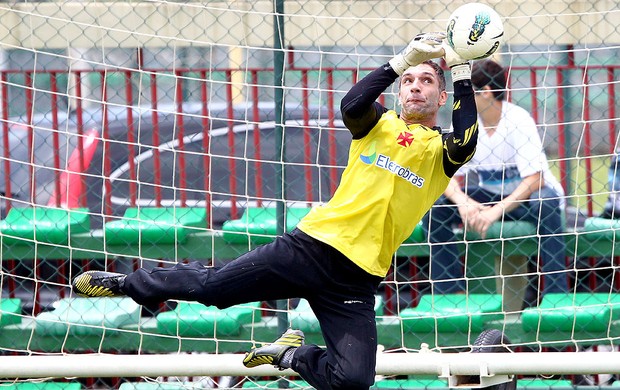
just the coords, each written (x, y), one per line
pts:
(443, 98)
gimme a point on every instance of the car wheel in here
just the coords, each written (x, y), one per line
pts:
(493, 341)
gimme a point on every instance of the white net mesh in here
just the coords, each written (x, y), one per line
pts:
(138, 134)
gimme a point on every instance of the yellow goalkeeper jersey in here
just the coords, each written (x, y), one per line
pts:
(393, 176)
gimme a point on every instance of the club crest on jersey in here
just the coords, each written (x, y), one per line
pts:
(404, 139)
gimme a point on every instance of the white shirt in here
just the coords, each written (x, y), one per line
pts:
(513, 151)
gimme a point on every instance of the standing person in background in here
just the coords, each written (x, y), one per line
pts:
(512, 181)
(399, 164)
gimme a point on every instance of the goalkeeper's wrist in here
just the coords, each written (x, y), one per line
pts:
(398, 64)
(461, 72)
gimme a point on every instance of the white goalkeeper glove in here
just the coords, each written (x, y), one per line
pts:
(423, 47)
(459, 67)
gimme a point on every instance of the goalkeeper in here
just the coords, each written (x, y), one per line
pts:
(399, 164)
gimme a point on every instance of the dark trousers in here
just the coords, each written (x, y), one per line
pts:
(542, 209)
(295, 265)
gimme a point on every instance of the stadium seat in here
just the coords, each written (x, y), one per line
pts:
(47, 225)
(405, 384)
(160, 385)
(88, 316)
(417, 384)
(303, 318)
(47, 385)
(155, 225)
(505, 229)
(452, 313)
(197, 320)
(276, 384)
(544, 384)
(10, 309)
(418, 235)
(512, 267)
(604, 227)
(260, 224)
(572, 312)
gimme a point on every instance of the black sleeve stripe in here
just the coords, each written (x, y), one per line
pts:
(460, 144)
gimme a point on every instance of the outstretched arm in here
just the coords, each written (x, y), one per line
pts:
(460, 144)
(360, 111)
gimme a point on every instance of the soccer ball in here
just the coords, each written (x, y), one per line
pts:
(475, 31)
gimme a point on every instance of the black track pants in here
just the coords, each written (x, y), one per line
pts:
(295, 265)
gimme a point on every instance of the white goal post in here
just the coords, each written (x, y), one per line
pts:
(429, 363)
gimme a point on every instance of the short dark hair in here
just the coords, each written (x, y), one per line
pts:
(441, 76)
(489, 72)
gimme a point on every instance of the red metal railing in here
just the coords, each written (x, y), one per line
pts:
(562, 124)
(326, 74)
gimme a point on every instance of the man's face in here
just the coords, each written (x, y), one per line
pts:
(484, 98)
(420, 95)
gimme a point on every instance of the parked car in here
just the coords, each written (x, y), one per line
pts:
(158, 158)
(165, 163)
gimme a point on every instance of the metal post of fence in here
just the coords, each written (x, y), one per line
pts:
(278, 83)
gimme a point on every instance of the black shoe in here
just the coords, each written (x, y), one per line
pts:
(98, 284)
(273, 353)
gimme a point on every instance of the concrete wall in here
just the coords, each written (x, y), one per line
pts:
(308, 22)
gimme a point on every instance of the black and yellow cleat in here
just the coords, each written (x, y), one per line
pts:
(94, 284)
(274, 353)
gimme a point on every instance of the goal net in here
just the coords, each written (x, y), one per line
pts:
(143, 134)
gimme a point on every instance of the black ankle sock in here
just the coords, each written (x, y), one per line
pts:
(121, 283)
(287, 359)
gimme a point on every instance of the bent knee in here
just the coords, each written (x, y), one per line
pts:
(353, 381)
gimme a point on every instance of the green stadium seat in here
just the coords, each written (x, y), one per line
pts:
(505, 229)
(524, 384)
(452, 313)
(544, 384)
(160, 385)
(303, 318)
(418, 384)
(155, 225)
(28, 225)
(572, 312)
(604, 227)
(88, 316)
(260, 224)
(192, 319)
(48, 385)
(276, 384)
(396, 384)
(418, 235)
(598, 236)
(511, 268)
(10, 309)
(405, 384)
